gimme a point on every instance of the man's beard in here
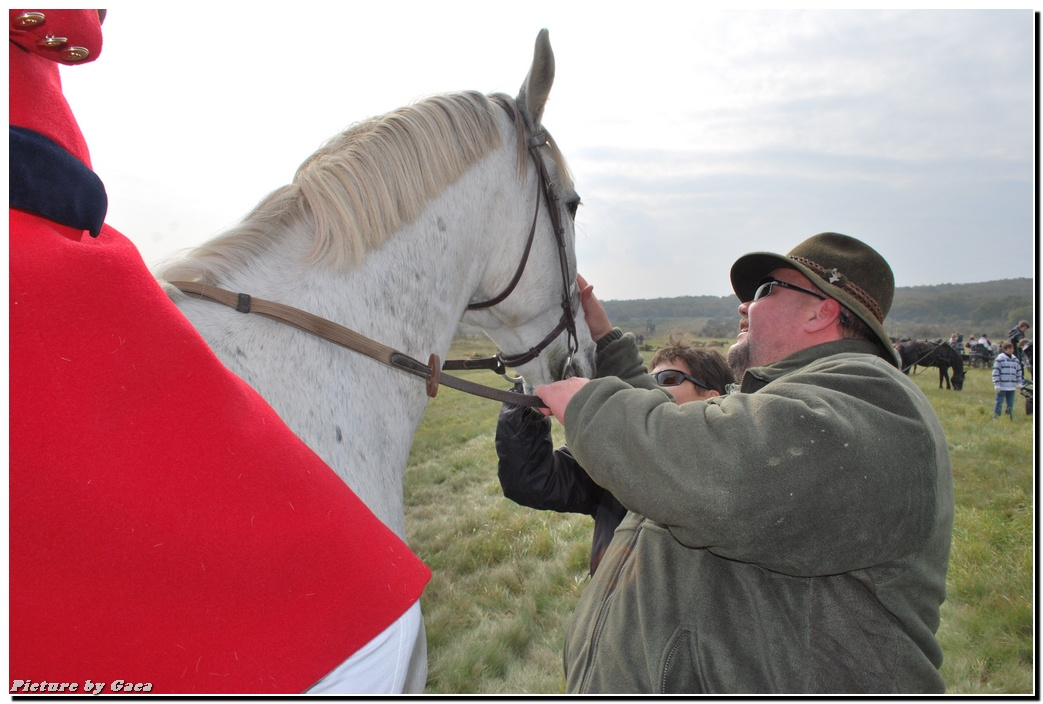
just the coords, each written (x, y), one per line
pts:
(739, 358)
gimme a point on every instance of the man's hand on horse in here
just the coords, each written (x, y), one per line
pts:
(558, 394)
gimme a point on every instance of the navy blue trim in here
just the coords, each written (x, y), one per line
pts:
(49, 181)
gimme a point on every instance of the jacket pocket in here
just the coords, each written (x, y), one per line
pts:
(679, 668)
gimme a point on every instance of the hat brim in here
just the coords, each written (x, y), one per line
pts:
(749, 270)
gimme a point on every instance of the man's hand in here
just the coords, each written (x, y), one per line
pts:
(593, 311)
(558, 395)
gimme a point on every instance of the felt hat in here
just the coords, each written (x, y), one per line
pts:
(843, 268)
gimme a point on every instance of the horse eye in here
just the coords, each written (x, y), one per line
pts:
(573, 206)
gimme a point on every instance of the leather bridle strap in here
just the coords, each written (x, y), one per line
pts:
(345, 337)
(541, 187)
(567, 321)
(521, 266)
(534, 352)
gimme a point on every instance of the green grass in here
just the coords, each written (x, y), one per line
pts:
(988, 618)
(506, 578)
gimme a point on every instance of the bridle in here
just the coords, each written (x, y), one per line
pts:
(567, 322)
(432, 371)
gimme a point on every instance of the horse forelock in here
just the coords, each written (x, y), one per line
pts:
(368, 181)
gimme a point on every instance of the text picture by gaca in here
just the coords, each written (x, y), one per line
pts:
(86, 687)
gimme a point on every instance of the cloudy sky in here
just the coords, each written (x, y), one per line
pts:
(694, 135)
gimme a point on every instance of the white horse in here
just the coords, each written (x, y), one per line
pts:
(392, 229)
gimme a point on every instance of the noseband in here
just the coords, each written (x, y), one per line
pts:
(568, 319)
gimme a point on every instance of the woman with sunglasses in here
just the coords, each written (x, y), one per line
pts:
(532, 473)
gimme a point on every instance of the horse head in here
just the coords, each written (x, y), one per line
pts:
(534, 296)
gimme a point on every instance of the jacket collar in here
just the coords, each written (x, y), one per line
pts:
(46, 180)
(756, 378)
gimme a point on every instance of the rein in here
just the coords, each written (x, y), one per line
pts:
(432, 371)
(346, 337)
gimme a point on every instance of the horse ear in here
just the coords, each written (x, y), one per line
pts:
(534, 91)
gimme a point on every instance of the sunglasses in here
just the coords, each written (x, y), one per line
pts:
(765, 287)
(675, 377)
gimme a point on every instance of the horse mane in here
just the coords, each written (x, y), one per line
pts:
(365, 183)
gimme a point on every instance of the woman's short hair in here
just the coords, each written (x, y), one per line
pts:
(706, 365)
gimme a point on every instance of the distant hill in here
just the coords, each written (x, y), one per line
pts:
(922, 312)
(992, 307)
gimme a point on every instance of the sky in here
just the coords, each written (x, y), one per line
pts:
(694, 136)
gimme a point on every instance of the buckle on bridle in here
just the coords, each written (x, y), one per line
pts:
(537, 139)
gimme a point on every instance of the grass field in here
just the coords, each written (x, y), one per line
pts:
(506, 578)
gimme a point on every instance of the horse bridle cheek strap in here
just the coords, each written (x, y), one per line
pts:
(568, 320)
(346, 337)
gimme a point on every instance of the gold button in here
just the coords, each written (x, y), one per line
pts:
(28, 19)
(51, 41)
(75, 53)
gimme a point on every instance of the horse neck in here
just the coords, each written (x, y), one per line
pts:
(409, 294)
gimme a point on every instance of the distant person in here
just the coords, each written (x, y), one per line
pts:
(1016, 335)
(166, 527)
(789, 537)
(532, 473)
(1007, 378)
(954, 341)
(984, 341)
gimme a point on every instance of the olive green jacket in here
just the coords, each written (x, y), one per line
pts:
(793, 537)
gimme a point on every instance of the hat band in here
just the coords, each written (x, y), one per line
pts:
(845, 283)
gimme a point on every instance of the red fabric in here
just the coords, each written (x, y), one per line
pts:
(38, 103)
(165, 526)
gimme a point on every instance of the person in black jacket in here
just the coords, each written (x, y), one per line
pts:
(1016, 335)
(532, 473)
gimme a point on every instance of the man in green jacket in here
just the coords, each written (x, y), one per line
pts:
(790, 538)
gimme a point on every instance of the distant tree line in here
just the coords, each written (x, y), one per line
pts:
(681, 307)
(992, 307)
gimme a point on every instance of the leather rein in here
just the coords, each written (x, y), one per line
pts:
(431, 372)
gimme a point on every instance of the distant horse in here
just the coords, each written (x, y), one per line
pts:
(398, 229)
(932, 354)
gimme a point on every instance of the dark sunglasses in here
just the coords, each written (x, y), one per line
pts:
(675, 377)
(764, 289)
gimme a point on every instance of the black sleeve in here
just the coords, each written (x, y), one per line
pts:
(532, 473)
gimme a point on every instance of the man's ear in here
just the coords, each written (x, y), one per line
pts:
(827, 312)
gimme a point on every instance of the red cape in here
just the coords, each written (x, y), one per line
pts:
(166, 527)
